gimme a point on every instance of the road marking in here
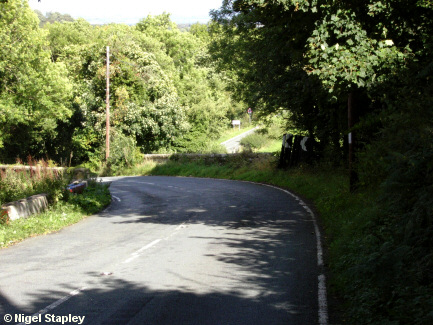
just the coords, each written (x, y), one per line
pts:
(116, 198)
(318, 235)
(323, 304)
(57, 303)
(137, 253)
(321, 293)
(316, 226)
(78, 291)
(139, 182)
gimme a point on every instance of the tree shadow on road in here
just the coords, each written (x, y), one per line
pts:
(266, 236)
(267, 242)
(110, 300)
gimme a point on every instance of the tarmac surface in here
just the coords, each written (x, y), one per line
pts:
(171, 250)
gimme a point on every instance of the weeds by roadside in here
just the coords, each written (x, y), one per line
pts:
(94, 198)
(38, 178)
(71, 209)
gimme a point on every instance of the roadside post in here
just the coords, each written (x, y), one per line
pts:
(250, 113)
(107, 110)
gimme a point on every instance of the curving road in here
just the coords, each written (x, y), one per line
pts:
(233, 145)
(173, 251)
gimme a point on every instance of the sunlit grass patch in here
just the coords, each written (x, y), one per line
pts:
(66, 212)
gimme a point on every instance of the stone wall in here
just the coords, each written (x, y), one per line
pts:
(26, 207)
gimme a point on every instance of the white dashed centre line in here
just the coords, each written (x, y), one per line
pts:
(137, 253)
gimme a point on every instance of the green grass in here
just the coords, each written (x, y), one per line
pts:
(64, 213)
(272, 146)
(56, 218)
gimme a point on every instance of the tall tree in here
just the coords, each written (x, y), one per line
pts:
(201, 90)
(34, 91)
(381, 52)
(307, 56)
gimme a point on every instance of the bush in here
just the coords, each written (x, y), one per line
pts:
(94, 198)
(388, 261)
(254, 141)
(123, 153)
(20, 183)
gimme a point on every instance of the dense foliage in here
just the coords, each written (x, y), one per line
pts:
(18, 184)
(307, 57)
(34, 91)
(165, 92)
(301, 60)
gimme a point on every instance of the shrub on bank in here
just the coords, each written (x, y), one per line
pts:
(254, 141)
(19, 184)
(94, 198)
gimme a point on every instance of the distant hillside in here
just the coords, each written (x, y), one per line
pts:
(51, 17)
(184, 27)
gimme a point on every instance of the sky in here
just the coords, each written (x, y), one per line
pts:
(129, 11)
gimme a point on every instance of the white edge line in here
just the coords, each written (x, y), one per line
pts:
(57, 303)
(321, 293)
(116, 198)
(323, 303)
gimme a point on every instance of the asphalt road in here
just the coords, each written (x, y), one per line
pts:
(233, 145)
(172, 251)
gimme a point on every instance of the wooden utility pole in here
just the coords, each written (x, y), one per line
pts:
(351, 118)
(107, 99)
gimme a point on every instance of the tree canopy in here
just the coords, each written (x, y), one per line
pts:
(165, 91)
(306, 58)
(34, 91)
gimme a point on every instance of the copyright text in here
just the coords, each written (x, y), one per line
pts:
(46, 318)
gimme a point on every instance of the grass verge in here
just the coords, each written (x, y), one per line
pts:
(71, 209)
